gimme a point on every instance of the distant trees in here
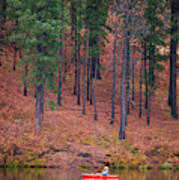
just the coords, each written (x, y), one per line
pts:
(37, 32)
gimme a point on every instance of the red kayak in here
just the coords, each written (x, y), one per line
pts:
(99, 177)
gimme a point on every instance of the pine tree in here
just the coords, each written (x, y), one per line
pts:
(154, 38)
(41, 30)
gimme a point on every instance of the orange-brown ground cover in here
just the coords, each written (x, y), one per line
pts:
(69, 139)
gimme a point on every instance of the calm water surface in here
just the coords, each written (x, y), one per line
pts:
(57, 174)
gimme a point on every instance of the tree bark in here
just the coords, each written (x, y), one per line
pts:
(91, 82)
(25, 72)
(84, 63)
(145, 75)
(114, 74)
(133, 78)
(151, 75)
(78, 75)
(95, 86)
(123, 106)
(15, 59)
(37, 105)
(61, 56)
(173, 58)
(140, 88)
(74, 38)
(88, 80)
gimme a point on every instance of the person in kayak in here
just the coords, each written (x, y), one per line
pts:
(105, 171)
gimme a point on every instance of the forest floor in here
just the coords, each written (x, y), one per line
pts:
(69, 139)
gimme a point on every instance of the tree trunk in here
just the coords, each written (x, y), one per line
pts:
(37, 105)
(95, 103)
(74, 38)
(140, 88)
(91, 83)
(114, 73)
(84, 63)
(145, 75)
(151, 75)
(25, 82)
(15, 58)
(88, 80)
(76, 65)
(123, 97)
(173, 58)
(78, 75)
(78, 55)
(98, 69)
(3, 9)
(0, 56)
(61, 56)
(42, 100)
(128, 78)
(133, 78)
(25, 72)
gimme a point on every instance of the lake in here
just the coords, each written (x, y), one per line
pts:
(58, 174)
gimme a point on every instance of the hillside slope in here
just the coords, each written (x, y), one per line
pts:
(69, 139)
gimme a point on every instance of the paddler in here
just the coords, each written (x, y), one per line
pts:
(105, 171)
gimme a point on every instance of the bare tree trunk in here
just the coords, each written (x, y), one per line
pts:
(91, 82)
(95, 103)
(88, 80)
(133, 78)
(76, 67)
(140, 88)
(173, 59)
(145, 75)
(25, 82)
(151, 76)
(78, 75)
(123, 97)
(128, 77)
(74, 31)
(37, 114)
(84, 63)
(79, 57)
(114, 73)
(42, 100)
(98, 69)
(25, 72)
(15, 58)
(61, 57)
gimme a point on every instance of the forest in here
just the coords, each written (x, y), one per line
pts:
(87, 82)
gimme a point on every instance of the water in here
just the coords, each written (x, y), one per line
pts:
(57, 174)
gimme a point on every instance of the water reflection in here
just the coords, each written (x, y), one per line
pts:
(148, 175)
(39, 174)
(57, 174)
